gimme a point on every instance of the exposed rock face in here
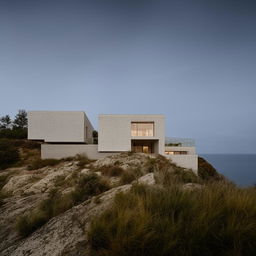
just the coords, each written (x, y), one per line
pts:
(124, 160)
(16, 184)
(66, 233)
(13, 208)
(38, 181)
(147, 179)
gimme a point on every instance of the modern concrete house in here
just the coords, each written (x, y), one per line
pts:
(67, 133)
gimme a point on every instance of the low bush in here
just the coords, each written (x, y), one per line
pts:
(40, 163)
(127, 177)
(15, 133)
(158, 163)
(9, 155)
(130, 175)
(82, 160)
(26, 144)
(111, 170)
(56, 203)
(216, 220)
(88, 185)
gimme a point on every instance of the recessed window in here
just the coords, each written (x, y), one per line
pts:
(143, 129)
(176, 152)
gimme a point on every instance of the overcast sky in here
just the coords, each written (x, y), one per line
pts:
(193, 61)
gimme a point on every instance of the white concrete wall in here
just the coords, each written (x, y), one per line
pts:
(58, 151)
(115, 131)
(185, 161)
(190, 150)
(58, 126)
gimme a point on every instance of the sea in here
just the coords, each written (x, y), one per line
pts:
(241, 169)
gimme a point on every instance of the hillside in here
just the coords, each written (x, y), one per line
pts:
(127, 204)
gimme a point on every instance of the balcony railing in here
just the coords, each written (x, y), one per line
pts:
(179, 142)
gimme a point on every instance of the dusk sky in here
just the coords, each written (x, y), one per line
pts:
(193, 61)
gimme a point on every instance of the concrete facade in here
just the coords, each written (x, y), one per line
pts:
(59, 151)
(59, 126)
(115, 132)
(185, 161)
(189, 150)
(68, 133)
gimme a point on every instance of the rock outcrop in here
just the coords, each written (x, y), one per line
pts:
(65, 234)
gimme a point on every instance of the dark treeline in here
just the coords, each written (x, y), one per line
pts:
(14, 129)
(12, 132)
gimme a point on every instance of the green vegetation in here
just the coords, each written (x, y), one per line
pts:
(216, 220)
(127, 177)
(56, 203)
(15, 150)
(207, 172)
(16, 129)
(174, 144)
(111, 170)
(9, 155)
(83, 160)
(40, 163)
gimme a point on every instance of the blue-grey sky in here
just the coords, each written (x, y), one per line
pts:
(193, 61)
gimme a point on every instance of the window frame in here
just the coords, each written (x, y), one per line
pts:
(137, 128)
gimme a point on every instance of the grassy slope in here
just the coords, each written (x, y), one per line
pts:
(217, 219)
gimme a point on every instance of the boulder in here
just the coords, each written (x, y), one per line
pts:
(147, 179)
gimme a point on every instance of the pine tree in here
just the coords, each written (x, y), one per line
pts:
(21, 120)
(5, 122)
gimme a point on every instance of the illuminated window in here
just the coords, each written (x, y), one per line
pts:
(142, 129)
(176, 152)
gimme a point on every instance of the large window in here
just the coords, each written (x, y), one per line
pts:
(142, 129)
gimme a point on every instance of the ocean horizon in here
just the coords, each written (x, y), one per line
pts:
(239, 168)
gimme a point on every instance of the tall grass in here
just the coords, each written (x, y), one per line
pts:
(40, 163)
(217, 220)
(111, 170)
(83, 160)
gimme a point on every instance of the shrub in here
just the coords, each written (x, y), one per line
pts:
(158, 163)
(88, 185)
(111, 170)
(27, 224)
(127, 177)
(9, 155)
(217, 220)
(15, 133)
(40, 163)
(26, 144)
(206, 171)
(130, 175)
(82, 160)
